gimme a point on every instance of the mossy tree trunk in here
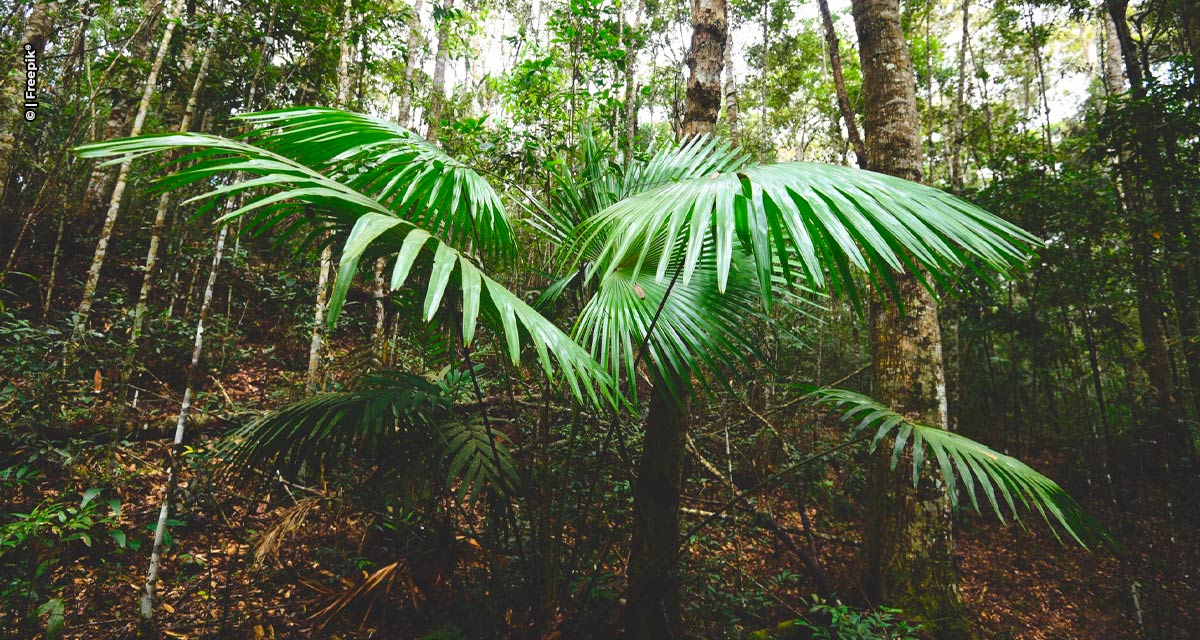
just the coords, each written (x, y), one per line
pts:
(908, 545)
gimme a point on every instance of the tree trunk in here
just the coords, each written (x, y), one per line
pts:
(908, 546)
(160, 217)
(631, 98)
(1191, 26)
(653, 610)
(193, 379)
(114, 205)
(14, 84)
(957, 178)
(731, 97)
(1165, 428)
(412, 60)
(710, 31)
(839, 85)
(433, 119)
(314, 378)
(1114, 75)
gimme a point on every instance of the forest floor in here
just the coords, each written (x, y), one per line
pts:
(1017, 582)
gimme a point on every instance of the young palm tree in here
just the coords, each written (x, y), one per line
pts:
(678, 249)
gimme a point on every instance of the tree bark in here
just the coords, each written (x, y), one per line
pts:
(114, 203)
(710, 32)
(653, 611)
(957, 178)
(839, 85)
(908, 546)
(631, 98)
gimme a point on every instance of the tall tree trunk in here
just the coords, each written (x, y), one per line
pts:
(193, 380)
(1170, 434)
(908, 546)
(710, 31)
(631, 98)
(957, 178)
(412, 60)
(839, 85)
(653, 610)
(731, 97)
(14, 83)
(160, 217)
(1114, 74)
(114, 204)
(433, 118)
(1191, 27)
(314, 378)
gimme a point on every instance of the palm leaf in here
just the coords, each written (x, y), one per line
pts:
(392, 408)
(393, 166)
(825, 218)
(476, 459)
(597, 182)
(286, 187)
(1001, 478)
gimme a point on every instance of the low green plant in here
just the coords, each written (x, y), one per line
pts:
(836, 621)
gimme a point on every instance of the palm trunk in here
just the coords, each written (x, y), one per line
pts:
(908, 545)
(314, 377)
(839, 85)
(114, 204)
(160, 217)
(710, 31)
(160, 529)
(653, 610)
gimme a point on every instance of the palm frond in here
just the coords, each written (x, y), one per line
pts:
(476, 459)
(825, 218)
(697, 328)
(395, 167)
(1001, 478)
(598, 182)
(286, 187)
(393, 408)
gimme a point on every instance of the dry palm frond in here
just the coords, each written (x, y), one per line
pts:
(291, 520)
(335, 600)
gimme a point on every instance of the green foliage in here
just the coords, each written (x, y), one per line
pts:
(393, 417)
(840, 622)
(296, 191)
(961, 459)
